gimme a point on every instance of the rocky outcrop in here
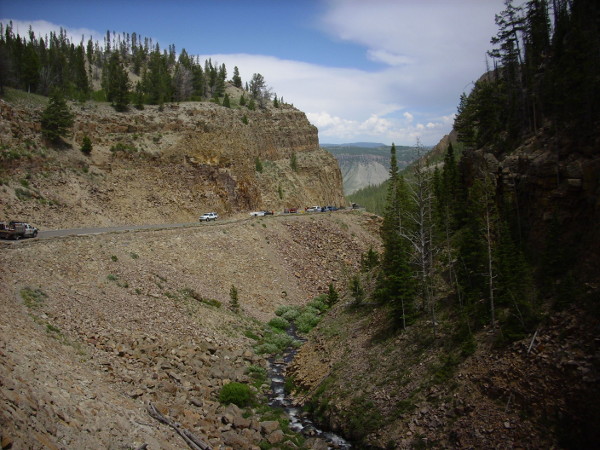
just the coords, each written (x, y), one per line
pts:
(556, 190)
(158, 166)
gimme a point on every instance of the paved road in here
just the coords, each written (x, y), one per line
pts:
(49, 234)
(83, 231)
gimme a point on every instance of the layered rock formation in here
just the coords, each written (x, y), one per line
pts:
(158, 166)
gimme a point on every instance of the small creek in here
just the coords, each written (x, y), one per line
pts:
(300, 422)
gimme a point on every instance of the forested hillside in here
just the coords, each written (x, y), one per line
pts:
(487, 255)
(126, 69)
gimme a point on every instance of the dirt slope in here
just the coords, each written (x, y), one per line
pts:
(96, 327)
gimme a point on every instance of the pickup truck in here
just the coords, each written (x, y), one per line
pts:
(17, 230)
(208, 216)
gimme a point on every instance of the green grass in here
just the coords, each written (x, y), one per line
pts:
(24, 99)
(33, 298)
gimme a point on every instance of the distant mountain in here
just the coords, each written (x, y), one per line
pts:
(357, 144)
(367, 163)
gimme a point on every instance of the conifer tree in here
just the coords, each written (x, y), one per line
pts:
(116, 83)
(86, 145)
(237, 80)
(226, 101)
(332, 295)
(396, 283)
(57, 118)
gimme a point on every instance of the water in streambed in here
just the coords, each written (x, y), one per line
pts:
(300, 422)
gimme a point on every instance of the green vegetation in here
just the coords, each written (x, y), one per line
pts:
(33, 298)
(86, 145)
(190, 293)
(258, 165)
(43, 64)
(57, 118)
(234, 302)
(294, 162)
(236, 393)
(372, 198)
(123, 147)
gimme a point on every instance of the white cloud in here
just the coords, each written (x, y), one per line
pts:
(429, 50)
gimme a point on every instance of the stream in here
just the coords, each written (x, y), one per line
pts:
(300, 422)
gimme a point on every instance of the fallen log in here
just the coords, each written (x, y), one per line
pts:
(190, 439)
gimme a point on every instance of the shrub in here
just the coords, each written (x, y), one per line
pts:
(279, 323)
(258, 164)
(258, 374)
(307, 321)
(33, 298)
(289, 313)
(236, 393)
(294, 162)
(267, 348)
(86, 145)
(122, 147)
(319, 303)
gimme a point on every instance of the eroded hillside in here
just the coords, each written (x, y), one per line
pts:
(97, 327)
(161, 165)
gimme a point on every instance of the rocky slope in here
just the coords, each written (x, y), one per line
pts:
(407, 390)
(98, 327)
(166, 166)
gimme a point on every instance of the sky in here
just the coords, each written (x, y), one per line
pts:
(362, 70)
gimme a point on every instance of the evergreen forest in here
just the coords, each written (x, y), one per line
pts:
(456, 239)
(125, 70)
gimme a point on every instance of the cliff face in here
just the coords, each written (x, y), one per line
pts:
(556, 185)
(156, 166)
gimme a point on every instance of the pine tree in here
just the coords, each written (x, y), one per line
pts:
(226, 101)
(332, 295)
(419, 233)
(86, 145)
(396, 283)
(237, 80)
(116, 83)
(233, 298)
(57, 118)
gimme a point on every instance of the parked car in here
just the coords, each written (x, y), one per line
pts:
(208, 216)
(269, 213)
(17, 230)
(257, 213)
(314, 209)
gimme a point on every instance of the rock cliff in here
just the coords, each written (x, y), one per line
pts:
(159, 166)
(556, 190)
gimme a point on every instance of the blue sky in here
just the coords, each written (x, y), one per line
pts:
(362, 70)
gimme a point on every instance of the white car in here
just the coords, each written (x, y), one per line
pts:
(257, 213)
(208, 216)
